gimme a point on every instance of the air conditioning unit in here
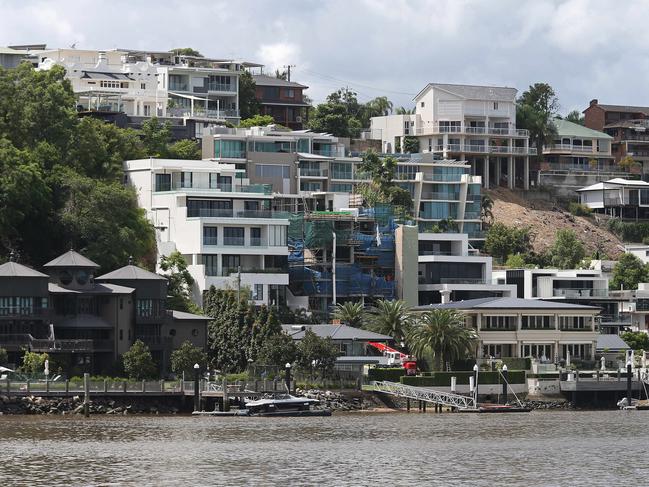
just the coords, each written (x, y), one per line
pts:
(298, 119)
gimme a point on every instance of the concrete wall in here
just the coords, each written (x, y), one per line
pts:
(405, 262)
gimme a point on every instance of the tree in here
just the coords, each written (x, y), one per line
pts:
(382, 188)
(314, 352)
(184, 149)
(637, 340)
(257, 121)
(264, 326)
(350, 313)
(138, 362)
(575, 116)
(502, 241)
(106, 237)
(628, 272)
(184, 358)
(441, 332)
(486, 209)
(567, 251)
(156, 136)
(4, 357)
(248, 103)
(378, 107)
(277, 350)
(392, 318)
(516, 261)
(410, 144)
(34, 363)
(340, 115)
(404, 111)
(179, 289)
(186, 51)
(627, 162)
(281, 74)
(535, 111)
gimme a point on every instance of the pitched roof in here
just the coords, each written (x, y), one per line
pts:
(71, 259)
(475, 92)
(265, 80)
(335, 332)
(612, 342)
(98, 288)
(14, 269)
(130, 272)
(506, 303)
(615, 183)
(566, 128)
(623, 108)
(181, 315)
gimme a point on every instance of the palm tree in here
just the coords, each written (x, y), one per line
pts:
(391, 318)
(486, 206)
(441, 332)
(349, 313)
(404, 111)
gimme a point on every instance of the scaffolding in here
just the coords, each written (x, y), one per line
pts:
(364, 255)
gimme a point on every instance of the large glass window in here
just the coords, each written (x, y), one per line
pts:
(258, 292)
(211, 263)
(220, 83)
(209, 208)
(273, 171)
(279, 146)
(186, 179)
(210, 236)
(255, 237)
(342, 187)
(341, 170)
(499, 322)
(233, 236)
(163, 182)
(234, 149)
(231, 264)
(538, 322)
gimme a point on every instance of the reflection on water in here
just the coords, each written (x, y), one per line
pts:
(540, 448)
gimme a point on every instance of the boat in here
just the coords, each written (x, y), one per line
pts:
(285, 405)
(499, 408)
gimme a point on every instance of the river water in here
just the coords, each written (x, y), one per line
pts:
(550, 448)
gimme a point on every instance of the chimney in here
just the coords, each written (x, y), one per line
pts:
(594, 102)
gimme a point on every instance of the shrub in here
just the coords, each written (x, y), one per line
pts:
(389, 374)
(443, 379)
(578, 209)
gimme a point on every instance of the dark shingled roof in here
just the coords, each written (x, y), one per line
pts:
(130, 272)
(71, 259)
(13, 269)
(505, 303)
(623, 108)
(335, 332)
(265, 80)
(181, 315)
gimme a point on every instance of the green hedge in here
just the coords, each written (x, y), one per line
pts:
(389, 374)
(518, 363)
(443, 379)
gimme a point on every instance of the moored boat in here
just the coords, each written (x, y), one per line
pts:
(285, 405)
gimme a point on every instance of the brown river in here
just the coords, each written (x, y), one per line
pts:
(551, 448)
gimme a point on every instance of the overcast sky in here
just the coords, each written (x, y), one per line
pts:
(584, 49)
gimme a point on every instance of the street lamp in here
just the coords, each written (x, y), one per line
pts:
(197, 398)
(505, 382)
(287, 370)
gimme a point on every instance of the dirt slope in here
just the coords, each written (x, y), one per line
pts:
(545, 219)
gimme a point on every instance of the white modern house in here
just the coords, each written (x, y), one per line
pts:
(150, 83)
(223, 226)
(514, 327)
(476, 124)
(624, 198)
(555, 283)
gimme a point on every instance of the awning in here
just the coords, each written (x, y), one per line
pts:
(189, 97)
(104, 75)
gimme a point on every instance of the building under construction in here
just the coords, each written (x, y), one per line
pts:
(338, 256)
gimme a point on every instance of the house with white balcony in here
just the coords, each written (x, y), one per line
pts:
(622, 198)
(476, 124)
(514, 327)
(223, 226)
(447, 269)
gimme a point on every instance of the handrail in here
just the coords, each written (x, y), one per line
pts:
(425, 394)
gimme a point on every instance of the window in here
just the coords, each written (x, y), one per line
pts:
(277, 235)
(233, 149)
(231, 264)
(577, 350)
(121, 335)
(112, 84)
(211, 264)
(209, 208)
(499, 322)
(538, 322)
(186, 179)
(255, 237)
(143, 86)
(421, 104)
(289, 93)
(258, 292)
(272, 171)
(495, 105)
(65, 277)
(195, 332)
(544, 352)
(341, 188)
(210, 236)
(341, 170)
(233, 236)
(163, 182)
(573, 322)
(220, 83)
(172, 332)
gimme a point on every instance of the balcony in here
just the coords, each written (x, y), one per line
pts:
(314, 173)
(221, 87)
(70, 345)
(582, 149)
(484, 149)
(266, 189)
(232, 271)
(200, 112)
(22, 312)
(595, 168)
(579, 293)
(461, 280)
(334, 151)
(234, 241)
(432, 195)
(462, 129)
(229, 213)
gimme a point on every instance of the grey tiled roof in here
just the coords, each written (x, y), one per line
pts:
(130, 272)
(14, 269)
(181, 315)
(96, 289)
(71, 259)
(265, 80)
(505, 303)
(612, 342)
(336, 332)
(474, 92)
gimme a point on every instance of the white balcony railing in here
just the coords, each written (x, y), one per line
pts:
(463, 129)
(484, 149)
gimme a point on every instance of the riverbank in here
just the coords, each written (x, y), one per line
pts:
(74, 405)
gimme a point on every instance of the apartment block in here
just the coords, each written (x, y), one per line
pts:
(221, 223)
(476, 124)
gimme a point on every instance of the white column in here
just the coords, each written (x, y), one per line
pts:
(510, 172)
(485, 177)
(498, 170)
(526, 172)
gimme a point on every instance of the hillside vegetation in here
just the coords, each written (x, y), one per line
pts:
(545, 218)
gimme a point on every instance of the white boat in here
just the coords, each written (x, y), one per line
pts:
(285, 405)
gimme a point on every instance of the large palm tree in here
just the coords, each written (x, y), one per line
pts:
(349, 313)
(441, 332)
(391, 318)
(486, 207)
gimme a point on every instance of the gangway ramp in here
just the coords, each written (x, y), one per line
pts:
(448, 399)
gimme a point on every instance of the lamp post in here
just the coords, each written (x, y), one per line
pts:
(197, 397)
(287, 370)
(629, 376)
(475, 380)
(505, 382)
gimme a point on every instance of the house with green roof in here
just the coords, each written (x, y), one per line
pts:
(578, 156)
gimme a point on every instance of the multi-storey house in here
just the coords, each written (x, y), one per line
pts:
(283, 100)
(221, 222)
(476, 124)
